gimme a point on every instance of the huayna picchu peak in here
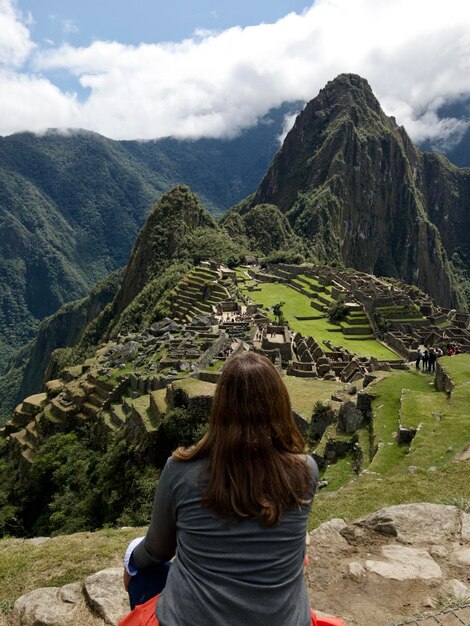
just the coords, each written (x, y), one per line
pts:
(356, 190)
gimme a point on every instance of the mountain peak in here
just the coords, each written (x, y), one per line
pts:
(351, 184)
(176, 214)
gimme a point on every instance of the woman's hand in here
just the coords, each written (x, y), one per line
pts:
(126, 579)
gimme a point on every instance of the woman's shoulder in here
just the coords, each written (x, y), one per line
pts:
(181, 470)
(312, 464)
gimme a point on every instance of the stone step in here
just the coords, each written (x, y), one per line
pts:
(158, 403)
(96, 400)
(28, 455)
(118, 415)
(108, 421)
(89, 409)
(31, 433)
(34, 404)
(88, 387)
(317, 306)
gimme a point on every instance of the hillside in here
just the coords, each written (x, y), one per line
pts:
(348, 187)
(140, 378)
(137, 378)
(356, 190)
(71, 206)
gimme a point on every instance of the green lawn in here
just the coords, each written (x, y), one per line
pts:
(386, 409)
(217, 366)
(304, 392)
(298, 305)
(443, 433)
(457, 367)
(195, 387)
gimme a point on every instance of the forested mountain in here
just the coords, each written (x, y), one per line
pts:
(356, 190)
(348, 186)
(71, 207)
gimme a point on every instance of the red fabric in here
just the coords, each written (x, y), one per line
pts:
(142, 614)
(326, 621)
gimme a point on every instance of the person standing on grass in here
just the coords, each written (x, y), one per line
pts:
(425, 358)
(233, 509)
(418, 358)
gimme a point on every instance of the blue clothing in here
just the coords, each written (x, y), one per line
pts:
(235, 573)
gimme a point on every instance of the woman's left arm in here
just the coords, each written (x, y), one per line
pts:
(159, 544)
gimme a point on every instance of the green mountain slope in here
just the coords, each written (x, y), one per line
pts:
(71, 207)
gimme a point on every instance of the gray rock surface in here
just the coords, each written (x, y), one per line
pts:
(466, 527)
(404, 563)
(105, 593)
(43, 607)
(349, 418)
(413, 523)
(328, 534)
(391, 566)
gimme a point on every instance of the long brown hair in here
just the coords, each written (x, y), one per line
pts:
(252, 444)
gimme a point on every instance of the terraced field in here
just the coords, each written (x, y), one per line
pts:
(298, 306)
(434, 467)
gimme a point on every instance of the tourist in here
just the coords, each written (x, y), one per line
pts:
(418, 358)
(432, 360)
(425, 358)
(233, 508)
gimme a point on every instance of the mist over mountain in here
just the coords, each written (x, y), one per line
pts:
(457, 149)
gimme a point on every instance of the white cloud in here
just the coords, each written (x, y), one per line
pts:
(288, 123)
(15, 41)
(69, 26)
(415, 54)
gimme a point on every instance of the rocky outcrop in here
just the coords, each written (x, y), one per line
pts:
(354, 187)
(385, 569)
(100, 600)
(263, 229)
(398, 564)
(165, 233)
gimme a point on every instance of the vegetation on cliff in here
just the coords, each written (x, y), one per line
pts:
(355, 189)
(72, 204)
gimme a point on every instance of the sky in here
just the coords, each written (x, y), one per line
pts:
(199, 68)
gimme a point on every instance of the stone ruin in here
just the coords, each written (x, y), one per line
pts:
(213, 321)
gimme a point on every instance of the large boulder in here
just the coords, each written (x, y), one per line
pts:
(393, 565)
(412, 523)
(49, 606)
(100, 600)
(349, 418)
(105, 594)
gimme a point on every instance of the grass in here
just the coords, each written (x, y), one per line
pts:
(194, 387)
(444, 433)
(58, 561)
(370, 492)
(386, 409)
(460, 501)
(457, 367)
(298, 305)
(337, 475)
(304, 392)
(216, 366)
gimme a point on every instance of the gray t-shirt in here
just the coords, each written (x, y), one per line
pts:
(226, 573)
